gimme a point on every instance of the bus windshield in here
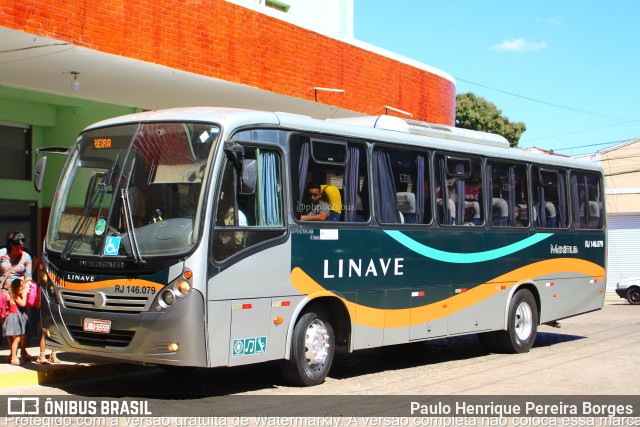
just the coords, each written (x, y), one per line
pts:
(132, 191)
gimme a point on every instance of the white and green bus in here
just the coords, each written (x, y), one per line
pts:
(175, 238)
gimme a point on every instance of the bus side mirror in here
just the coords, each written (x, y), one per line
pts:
(42, 163)
(249, 176)
(39, 173)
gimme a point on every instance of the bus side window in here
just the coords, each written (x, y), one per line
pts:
(587, 200)
(551, 198)
(339, 168)
(402, 190)
(243, 220)
(509, 194)
(459, 190)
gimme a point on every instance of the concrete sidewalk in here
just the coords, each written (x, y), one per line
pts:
(72, 366)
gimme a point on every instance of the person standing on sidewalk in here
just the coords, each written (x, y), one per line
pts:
(15, 263)
(15, 324)
(42, 358)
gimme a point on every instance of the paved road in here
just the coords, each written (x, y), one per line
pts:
(595, 353)
(592, 354)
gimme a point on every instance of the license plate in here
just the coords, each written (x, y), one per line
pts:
(96, 325)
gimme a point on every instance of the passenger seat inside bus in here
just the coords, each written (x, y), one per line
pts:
(407, 206)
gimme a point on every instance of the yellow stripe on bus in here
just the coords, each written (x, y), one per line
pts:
(396, 318)
(110, 284)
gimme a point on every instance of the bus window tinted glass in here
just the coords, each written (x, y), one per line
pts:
(458, 190)
(402, 186)
(243, 220)
(339, 169)
(510, 205)
(550, 198)
(587, 198)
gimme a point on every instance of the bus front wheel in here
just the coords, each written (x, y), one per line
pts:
(522, 324)
(312, 349)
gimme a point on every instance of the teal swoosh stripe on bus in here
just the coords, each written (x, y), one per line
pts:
(465, 258)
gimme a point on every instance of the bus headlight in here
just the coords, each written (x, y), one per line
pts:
(175, 291)
(183, 287)
(168, 297)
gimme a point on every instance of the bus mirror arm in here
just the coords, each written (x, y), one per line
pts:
(235, 153)
(245, 168)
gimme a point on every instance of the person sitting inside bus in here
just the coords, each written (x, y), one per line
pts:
(499, 212)
(318, 209)
(474, 207)
(468, 216)
(520, 213)
(331, 194)
(551, 214)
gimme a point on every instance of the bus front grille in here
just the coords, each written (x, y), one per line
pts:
(100, 301)
(115, 338)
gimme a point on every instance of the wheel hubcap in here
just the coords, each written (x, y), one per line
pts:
(523, 321)
(316, 344)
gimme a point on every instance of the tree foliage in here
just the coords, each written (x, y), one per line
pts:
(473, 112)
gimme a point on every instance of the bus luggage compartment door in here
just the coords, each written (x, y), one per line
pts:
(429, 311)
(250, 324)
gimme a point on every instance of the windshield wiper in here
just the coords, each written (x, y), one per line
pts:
(83, 222)
(128, 217)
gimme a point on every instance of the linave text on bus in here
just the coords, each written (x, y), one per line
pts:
(363, 268)
(73, 277)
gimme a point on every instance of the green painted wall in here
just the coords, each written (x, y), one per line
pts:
(56, 121)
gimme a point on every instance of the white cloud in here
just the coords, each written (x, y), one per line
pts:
(519, 45)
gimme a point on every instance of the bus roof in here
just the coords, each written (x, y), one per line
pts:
(376, 128)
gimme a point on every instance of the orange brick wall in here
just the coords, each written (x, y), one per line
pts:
(222, 40)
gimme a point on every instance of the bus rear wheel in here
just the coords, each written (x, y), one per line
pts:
(312, 349)
(522, 324)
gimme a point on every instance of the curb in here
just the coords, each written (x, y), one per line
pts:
(53, 374)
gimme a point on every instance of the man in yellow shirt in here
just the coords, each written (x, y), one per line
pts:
(319, 209)
(332, 196)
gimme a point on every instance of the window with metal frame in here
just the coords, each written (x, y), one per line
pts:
(15, 145)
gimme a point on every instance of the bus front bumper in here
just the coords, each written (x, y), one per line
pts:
(175, 336)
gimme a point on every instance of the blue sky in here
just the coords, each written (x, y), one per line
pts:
(569, 69)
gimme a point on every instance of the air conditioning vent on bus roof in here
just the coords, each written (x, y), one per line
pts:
(416, 127)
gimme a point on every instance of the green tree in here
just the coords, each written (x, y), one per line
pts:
(473, 112)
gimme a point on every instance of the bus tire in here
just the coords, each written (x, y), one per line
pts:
(312, 349)
(633, 296)
(522, 324)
